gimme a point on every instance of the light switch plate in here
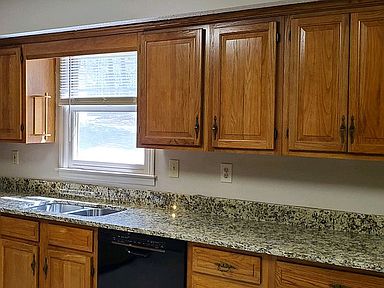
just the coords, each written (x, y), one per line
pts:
(226, 172)
(15, 157)
(173, 168)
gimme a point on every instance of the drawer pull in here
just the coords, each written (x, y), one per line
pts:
(337, 286)
(224, 267)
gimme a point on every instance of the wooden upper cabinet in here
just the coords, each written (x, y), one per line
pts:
(11, 102)
(170, 97)
(318, 85)
(40, 100)
(366, 101)
(18, 264)
(244, 79)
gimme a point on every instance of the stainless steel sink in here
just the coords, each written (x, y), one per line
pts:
(75, 209)
(95, 212)
(58, 207)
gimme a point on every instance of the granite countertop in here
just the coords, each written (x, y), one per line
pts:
(352, 250)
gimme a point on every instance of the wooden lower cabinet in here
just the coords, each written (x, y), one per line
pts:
(205, 281)
(211, 267)
(18, 264)
(216, 268)
(36, 254)
(288, 275)
(67, 270)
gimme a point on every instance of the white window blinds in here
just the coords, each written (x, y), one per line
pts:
(99, 79)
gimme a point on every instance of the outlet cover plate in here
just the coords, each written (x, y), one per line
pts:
(173, 168)
(226, 172)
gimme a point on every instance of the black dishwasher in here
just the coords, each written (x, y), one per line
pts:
(130, 260)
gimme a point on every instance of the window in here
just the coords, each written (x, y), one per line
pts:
(98, 111)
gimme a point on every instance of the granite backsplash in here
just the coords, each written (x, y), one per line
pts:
(314, 218)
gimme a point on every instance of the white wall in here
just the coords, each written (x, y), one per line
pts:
(27, 15)
(336, 184)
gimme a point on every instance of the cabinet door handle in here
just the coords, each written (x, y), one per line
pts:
(343, 129)
(33, 265)
(352, 130)
(224, 267)
(46, 115)
(45, 267)
(215, 128)
(197, 127)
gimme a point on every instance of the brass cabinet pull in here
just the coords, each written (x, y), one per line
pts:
(45, 267)
(337, 286)
(197, 127)
(47, 97)
(343, 129)
(214, 128)
(224, 267)
(33, 264)
(352, 130)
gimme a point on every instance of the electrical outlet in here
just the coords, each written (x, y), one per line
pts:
(173, 169)
(15, 157)
(226, 172)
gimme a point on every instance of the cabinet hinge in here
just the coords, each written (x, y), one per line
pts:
(21, 57)
(22, 127)
(277, 37)
(92, 268)
(275, 134)
(289, 35)
(287, 133)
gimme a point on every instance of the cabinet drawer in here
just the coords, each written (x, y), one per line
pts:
(294, 275)
(70, 237)
(207, 281)
(226, 264)
(19, 228)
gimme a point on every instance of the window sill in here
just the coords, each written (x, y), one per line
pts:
(106, 178)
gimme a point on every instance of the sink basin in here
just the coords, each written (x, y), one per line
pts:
(58, 207)
(95, 212)
(75, 209)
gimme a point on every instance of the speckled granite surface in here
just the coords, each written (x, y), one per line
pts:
(305, 217)
(153, 213)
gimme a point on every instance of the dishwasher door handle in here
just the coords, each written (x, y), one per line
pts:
(138, 247)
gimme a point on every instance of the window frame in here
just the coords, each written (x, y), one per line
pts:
(98, 172)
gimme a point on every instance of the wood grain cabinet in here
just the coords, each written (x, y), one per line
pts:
(170, 100)
(318, 91)
(19, 253)
(11, 101)
(18, 264)
(366, 101)
(67, 257)
(215, 268)
(336, 90)
(67, 269)
(46, 255)
(288, 275)
(27, 98)
(244, 84)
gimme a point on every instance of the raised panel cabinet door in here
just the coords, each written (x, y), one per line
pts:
(11, 103)
(366, 102)
(318, 85)
(171, 88)
(18, 264)
(65, 269)
(244, 86)
(289, 275)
